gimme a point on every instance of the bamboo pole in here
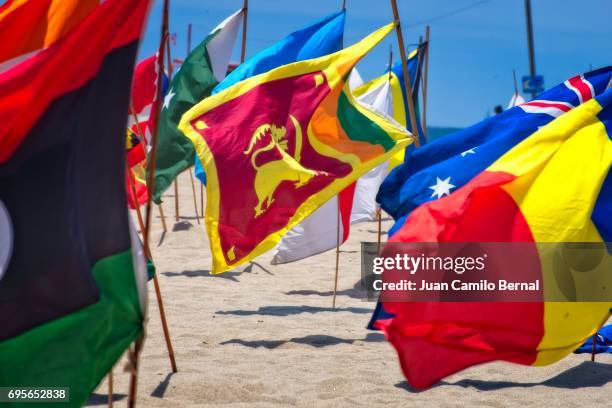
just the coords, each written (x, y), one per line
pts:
(245, 7)
(150, 185)
(400, 41)
(425, 74)
(337, 253)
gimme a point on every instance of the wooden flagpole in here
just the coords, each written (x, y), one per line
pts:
(378, 209)
(170, 69)
(150, 184)
(140, 136)
(189, 28)
(162, 216)
(176, 199)
(337, 231)
(133, 356)
(424, 76)
(195, 201)
(420, 60)
(337, 253)
(110, 388)
(400, 41)
(193, 190)
(245, 7)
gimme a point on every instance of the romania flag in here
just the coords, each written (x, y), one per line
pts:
(278, 145)
(72, 276)
(554, 186)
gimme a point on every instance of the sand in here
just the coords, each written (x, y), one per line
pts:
(267, 335)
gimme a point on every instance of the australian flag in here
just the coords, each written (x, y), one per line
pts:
(444, 165)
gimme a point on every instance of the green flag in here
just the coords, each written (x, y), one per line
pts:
(202, 70)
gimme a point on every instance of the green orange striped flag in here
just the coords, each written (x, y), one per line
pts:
(278, 145)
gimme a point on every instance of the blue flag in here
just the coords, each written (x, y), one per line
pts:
(316, 40)
(321, 38)
(439, 168)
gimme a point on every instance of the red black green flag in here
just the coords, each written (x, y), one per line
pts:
(70, 266)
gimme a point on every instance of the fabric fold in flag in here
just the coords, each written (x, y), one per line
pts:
(63, 216)
(298, 138)
(203, 68)
(518, 198)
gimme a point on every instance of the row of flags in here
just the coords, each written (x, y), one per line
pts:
(538, 172)
(72, 271)
(292, 145)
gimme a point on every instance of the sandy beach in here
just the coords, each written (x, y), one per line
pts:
(267, 335)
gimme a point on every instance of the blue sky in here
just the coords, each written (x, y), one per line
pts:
(474, 44)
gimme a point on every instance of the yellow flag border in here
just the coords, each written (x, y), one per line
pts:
(347, 57)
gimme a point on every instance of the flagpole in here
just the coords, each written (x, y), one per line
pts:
(337, 229)
(176, 200)
(245, 8)
(140, 136)
(390, 62)
(162, 216)
(150, 186)
(189, 28)
(514, 79)
(424, 76)
(110, 388)
(138, 213)
(145, 232)
(170, 67)
(195, 201)
(337, 252)
(420, 60)
(400, 41)
(134, 357)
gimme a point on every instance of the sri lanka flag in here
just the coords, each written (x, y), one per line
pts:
(278, 145)
(71, 269)
(317, 39)
(554, 186)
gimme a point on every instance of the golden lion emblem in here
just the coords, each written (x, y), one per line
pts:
(271, 174)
